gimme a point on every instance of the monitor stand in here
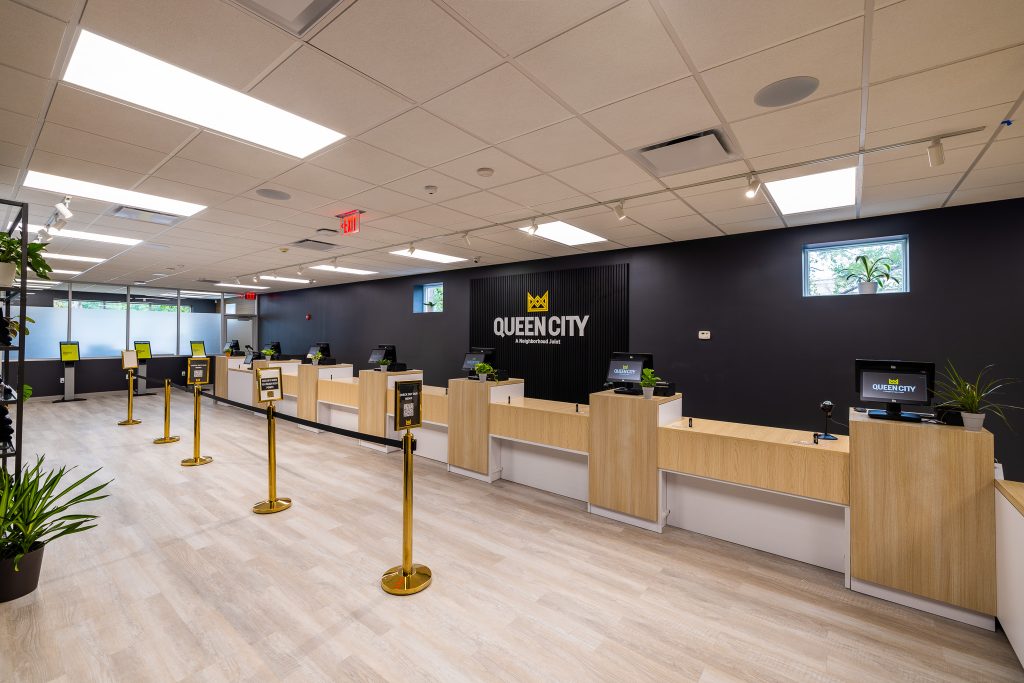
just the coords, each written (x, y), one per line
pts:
(894, 411)
(69, 384)
(628, 388)
(143, 374)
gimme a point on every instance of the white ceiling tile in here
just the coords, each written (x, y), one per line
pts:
(22, 92)
(601, 174)
(194, 173)
(215, 40)
(407, 227)
(563, 144)
(987, 194)
(650, 213)
(667, 112)
(960, 87)
(506, 169)
(801, 155)
(30, 39)
(350, 104)
(1003, 152)
(880, 208)
(16, 129)
(298, 200)
(723, 30)
(833, 56)
(426, 52)
(879, 171)
(629, 190)
(447, 188)
(755, 225)
(909, 188)
(988, 117)
(423, 138)
(232, 218)
(359, 160)
(617, 54)
(843, 213)
(705, 174)
(994, 175)
(684, 228)
(915, 35)
(643, 241)
(807, 124)
(234, 155)
(482, 204)
(498, 105)
(314, 221)
(252, 207)
(385, 200)
(536, 190)
(555, 206)
(9, 174)
(440, 216)
(187, 193)
(322, 181)
(75, 143)
(79, 169)
(741, 214)
(340, 206)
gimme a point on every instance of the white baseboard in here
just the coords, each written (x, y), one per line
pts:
(935, 607)
(626, 519)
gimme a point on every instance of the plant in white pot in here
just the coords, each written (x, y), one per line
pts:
(35, 511)
(10, 259)
(483, 370)
(870, 275)
(384, 363)
(317, 357)
(648, 380)
(973, 399)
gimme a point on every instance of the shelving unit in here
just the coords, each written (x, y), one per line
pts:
(8, 296)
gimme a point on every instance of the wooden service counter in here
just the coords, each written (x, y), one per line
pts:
(373, 403)
(1010, 561)
(469, 420)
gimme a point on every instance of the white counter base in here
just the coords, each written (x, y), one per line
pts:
(337, 415)
(431, 441)
(935, 607)
(542, 467)
(1009, 568)
(488, 478)
(626, 519)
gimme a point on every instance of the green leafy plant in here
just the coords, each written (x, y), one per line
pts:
(35, 510)
(10, 252)
(15, 329)
(384, 362)
(268, 353)
(878, 271)
(26, 391)
(483, 369)
(317, 356)
(956, 392)
(648, 378)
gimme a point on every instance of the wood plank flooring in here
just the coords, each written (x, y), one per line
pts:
(181, 582)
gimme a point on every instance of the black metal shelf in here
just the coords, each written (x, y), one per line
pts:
(13, 370)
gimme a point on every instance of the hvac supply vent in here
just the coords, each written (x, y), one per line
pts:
(133, 214)
(314, 245)
(688, 153)
(208, 280)
(295, 16)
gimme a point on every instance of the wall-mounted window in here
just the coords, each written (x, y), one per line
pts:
(428, 298)
(839, 268)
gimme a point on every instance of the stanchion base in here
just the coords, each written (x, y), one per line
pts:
(396, 583)
(69, 400)
(167, 439)
(270, 506)
(192, 462)
(125, 423)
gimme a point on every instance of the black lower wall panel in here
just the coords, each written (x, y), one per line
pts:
(98, 374)
(774, 354)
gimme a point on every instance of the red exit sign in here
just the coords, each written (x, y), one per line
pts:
(350, 221)
(250, 296)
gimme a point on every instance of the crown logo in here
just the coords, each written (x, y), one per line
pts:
(894, 382)
(537, 304)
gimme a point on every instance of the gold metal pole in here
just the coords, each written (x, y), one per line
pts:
(131, 395)
(167, 438)
(407, 578)
(272, 503)
(196, 459)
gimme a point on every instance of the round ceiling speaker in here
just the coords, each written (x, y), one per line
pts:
(786, 91)
(269, 193)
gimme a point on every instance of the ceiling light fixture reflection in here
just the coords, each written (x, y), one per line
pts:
(278, 278)
(342, 269)
(106, 193)
(68, 257)
(563, 233)
(232, 284)
(427, 255)
(815, 192)
(66, 272)
(118, 71)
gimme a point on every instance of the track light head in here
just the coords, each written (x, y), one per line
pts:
(465, 238)
(936, 153)
(533, 226)
(255, 278)
(412, 248)
(299, 270)
(753, 187)
(620, 210)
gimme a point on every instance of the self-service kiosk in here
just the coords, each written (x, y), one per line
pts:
(144, 352)
(69, 356)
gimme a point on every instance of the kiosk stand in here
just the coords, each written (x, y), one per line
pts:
(69, 355)
(144, 352)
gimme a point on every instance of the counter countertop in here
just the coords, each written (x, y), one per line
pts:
(630, 397)
(545, 405)
(1014, 492)
(774, 435)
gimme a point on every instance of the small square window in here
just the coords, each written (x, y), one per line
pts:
(857, 267)
(428, 298)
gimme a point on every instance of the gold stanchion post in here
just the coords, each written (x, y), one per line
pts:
(407, 578)
(167, 438)
(196, 459)
(131, 394)
(272, 503)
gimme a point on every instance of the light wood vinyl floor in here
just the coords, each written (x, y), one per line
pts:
(182, 582)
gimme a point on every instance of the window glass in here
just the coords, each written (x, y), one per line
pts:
(154, 318)
(98, 319)
(200, 321)
(48, 308)
(838, 269)
(428, 298)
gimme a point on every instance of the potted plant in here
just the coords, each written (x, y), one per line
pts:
(428, 306)
(869, 275)
(316, 357)
(648, 380)
(267, 353)
(10, 259)
(33, 512)
(972, 399)
(483, 370)
(384, 363)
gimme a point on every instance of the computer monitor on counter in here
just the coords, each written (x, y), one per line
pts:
(895, 383)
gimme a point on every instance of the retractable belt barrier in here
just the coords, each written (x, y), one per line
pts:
(372, 438)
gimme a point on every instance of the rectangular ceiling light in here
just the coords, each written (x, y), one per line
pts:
(347, 271)
(65, 272)
(284, 279)
(816, 191)
(105, 193)
(95, 237)
(68, 257)
(427, 255)
(565, 234)
(231, 284)
(119, 71)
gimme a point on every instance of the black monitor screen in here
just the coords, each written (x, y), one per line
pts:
(248, 358)
(472, 359)
(376, 356)
(313, 350)
(625, 370)
(893, 387)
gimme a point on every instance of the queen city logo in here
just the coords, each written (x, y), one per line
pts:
(537, 304)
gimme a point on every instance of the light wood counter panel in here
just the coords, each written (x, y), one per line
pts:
(922, 510)
(373, 397)
(624, 453)
(535, 420)
(343, 391)
(435, 404)
(469, 423)
(784, 460)
(290, 385)
(308, 381)
(220, 376)
(1013, 491)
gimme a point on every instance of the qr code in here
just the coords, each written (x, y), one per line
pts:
(408, 410)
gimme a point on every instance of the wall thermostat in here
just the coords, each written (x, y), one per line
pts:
(704, 334)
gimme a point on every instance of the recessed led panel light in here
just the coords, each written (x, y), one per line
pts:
(96, 237)
(285, 279)
(231, 284)
(815, 192)
(119, 71)
(342, 269)
(427, 255)
(68, 257)
(105, 193)
(565, 234)
(66, 272)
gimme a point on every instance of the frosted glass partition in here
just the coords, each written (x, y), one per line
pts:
(98, 319)
(49, 329)
(200, 320)
(154, 318)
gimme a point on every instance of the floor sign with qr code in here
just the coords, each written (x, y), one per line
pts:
(408, 402)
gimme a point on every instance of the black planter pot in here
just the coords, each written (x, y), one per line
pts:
(15, 584)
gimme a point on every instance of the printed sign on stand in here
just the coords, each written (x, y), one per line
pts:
(199, 371)
(129, 360)
(408, 404)
(269, 381)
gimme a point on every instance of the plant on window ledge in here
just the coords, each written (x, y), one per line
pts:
(870, 275)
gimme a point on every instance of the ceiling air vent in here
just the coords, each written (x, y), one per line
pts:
(133, 214)
(208, 280)
(314, 245)
(296, 16)
(688, 153)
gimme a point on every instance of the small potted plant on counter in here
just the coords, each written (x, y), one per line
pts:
(384, 363)
(34, 512)
(971, 399)
(648, 380)
(870, 275)
(317, 357)
(483, 370)
(10, 259)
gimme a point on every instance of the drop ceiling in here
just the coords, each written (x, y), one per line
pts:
(554, 99)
